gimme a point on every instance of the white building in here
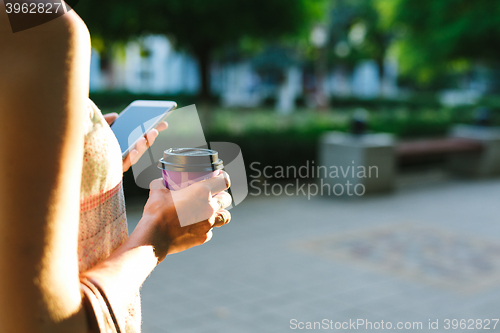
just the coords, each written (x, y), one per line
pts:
(151, 65)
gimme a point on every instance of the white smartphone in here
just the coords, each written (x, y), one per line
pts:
(137, 119)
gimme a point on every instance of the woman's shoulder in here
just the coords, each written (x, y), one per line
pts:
(59, 34)
(55, 54)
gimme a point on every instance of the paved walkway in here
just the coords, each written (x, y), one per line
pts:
(428, 251)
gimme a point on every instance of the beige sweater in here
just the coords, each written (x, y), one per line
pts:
(103, 223)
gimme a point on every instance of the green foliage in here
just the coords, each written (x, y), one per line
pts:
(414, 102)
(273, 139)
(195, 23)
(435, 37)
(356, 25)
(200, 26)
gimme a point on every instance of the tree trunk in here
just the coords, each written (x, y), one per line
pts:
(380, 65)
(203, 55)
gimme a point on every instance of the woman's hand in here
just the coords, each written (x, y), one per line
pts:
(142, 145)
(174, 221)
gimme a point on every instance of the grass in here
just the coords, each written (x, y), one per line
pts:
(403, 122)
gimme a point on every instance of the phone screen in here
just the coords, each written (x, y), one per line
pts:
(134, 122)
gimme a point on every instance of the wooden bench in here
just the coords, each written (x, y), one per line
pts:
(469, 151)
(422, 151)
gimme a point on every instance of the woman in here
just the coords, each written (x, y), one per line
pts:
(66, 262)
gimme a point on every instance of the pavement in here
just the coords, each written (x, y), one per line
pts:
(429, 251)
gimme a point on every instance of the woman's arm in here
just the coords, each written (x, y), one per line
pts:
(43, 92)
(160, 233)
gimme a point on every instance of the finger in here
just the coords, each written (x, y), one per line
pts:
(126, 163)
(201, 228)
(151, 136)
(141, 145)
(133, 156)
(208, 236)
(222, 217)
(157, 184)
(221, 200)
(217, 184)
(162, 126)
(110, 117)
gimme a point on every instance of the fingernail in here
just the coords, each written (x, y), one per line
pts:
(225, 218)
(226, 178)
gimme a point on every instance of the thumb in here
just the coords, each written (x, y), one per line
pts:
(157, 184)
(217, 184)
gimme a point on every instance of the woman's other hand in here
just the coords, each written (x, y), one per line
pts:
(174, 221)
(142, 145)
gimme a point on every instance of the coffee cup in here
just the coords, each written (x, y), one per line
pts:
(182, 167)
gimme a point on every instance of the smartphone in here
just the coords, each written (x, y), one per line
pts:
(137, 119)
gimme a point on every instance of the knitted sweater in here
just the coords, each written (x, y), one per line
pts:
(103, 223)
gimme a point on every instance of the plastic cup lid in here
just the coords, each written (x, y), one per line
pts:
(190, 159)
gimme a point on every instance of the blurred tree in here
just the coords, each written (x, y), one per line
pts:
(199, 26)
(436, 36)
(356, 34)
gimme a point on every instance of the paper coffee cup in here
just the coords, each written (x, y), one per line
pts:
(182, 167)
